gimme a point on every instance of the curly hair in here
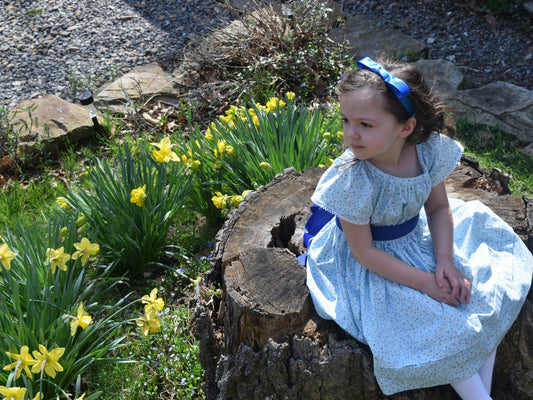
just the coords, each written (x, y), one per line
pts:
(428, 109)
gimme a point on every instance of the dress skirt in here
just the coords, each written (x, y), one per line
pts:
(415, 340)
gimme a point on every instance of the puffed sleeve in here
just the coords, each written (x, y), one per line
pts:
(440, 155)
(346, 190)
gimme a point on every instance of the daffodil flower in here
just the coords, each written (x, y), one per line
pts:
(63, 233)
(62, 202)
(165, 153)
(340, 135)
(149, 323)
(219, 200)
(57, 258)
(290, 96)
(6, 256)
(153, 302)
(274, 103)
(39, 396)
(82, 319)
(47, 361)
(23, 361)
(13, 393)
(86, 250)
(138, 196)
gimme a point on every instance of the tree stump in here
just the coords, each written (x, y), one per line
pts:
(260, 337)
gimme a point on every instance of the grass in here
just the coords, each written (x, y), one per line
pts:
(494, 149)
(28, 202)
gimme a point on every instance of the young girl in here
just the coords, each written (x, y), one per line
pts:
(432, 289)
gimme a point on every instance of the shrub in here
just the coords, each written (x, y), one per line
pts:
(130, 206)
(46, 296)
(247, 147)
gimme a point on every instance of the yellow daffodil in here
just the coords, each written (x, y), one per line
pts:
(86, 250)
(237, 199)
(6, 256)
(23, 361)
(62, 202)
(13, 393)
(190, 162)
(340, 135)
(63, 232)
(82, 319)
(326, 135)
(39, 396)
(57, 258)
(290, 96)
(47, 361)
(153, 302)
(149, 323)
(274, 103)
(265, 165)
(261, 107)
(80, 221)
(219, 200)
(165, 153)
(138, 196)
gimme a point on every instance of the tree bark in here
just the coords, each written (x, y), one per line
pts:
(262, 338)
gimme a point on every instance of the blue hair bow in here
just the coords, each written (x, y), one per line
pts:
(399, 87)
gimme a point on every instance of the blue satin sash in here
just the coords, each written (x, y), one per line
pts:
(320, 217)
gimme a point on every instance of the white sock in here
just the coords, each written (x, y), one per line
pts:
(485, 372)
(472, 388)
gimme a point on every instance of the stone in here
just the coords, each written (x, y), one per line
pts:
(499, 104)
(51, 121)
(367, 37)
(443, 77)
(149, 81)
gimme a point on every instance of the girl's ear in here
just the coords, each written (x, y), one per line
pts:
(408, 127)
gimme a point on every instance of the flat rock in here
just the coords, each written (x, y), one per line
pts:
(443, 77)
(368, 37)
(142, 83)
(499, 104)
(52, 120)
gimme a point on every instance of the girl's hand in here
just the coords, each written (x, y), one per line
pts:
(448, 274)
(442, 293)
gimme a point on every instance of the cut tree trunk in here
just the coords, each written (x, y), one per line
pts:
(260, 337)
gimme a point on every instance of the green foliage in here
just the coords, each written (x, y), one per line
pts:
(28, 203)
(133, 234)
(493, 149)
(246, 148)
(166, 365)
(38, 302)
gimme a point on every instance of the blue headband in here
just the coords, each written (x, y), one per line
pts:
(399, 87)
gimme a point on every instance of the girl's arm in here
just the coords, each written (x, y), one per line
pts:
(440, 224)
(362, 247)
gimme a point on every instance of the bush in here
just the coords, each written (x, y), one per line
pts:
(46, 296)
(247, 147)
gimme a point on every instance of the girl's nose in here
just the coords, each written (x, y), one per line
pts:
(351, 132)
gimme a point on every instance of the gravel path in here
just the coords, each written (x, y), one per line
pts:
(52, 46)
(485, 48)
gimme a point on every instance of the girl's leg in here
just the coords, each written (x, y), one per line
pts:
(485, 372)
(472, 389)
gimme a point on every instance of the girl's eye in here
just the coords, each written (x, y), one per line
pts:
(345, 120)
(366, 125)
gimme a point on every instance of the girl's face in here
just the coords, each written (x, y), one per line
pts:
(371, 132)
